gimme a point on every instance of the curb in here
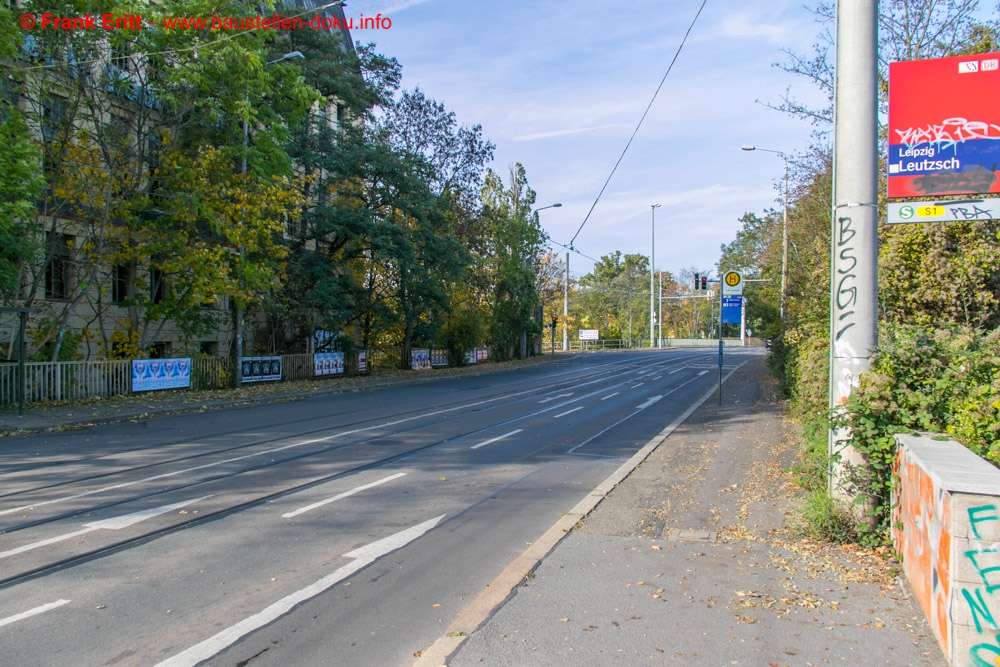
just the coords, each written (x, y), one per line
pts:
(502, 588)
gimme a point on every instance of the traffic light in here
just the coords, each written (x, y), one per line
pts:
(555, 321)
(697, 281)
(704, 282)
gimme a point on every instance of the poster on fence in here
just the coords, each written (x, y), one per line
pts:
(439, 358)
(328, 363)
(482, 353)
(152, 374)
(363, 361)
(420, 359)
(470, 356)
(261, 369)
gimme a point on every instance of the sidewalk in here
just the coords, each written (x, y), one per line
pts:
(145, 405)
(686, 562)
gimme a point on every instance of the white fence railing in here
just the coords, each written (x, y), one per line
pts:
(75, 380)
(65, 380)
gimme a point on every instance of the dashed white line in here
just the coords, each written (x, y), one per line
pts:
(637, 385)
(552, 398)
(609, 396)
(499, 437)
(32, 612)
(562, 414)
(340, 496)
(657, 377)
(114, 523)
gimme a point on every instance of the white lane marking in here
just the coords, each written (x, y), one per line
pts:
(627, 417)
(609, 396)
(656, 378)
(340, 496)
(648, 403)
(114, 523)
(677, 370)
(364, 556)
(32, 612)
(552, 398)
(499, 437)
(311, 441)
(700, 374)
(637, 385)
(562, 414)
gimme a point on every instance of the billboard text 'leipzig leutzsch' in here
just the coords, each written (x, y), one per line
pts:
(944, 126)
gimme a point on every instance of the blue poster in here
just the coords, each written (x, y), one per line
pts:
(150, 374)
(732, 309)
(328, 363)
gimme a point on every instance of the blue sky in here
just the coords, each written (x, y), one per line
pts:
(559, 86)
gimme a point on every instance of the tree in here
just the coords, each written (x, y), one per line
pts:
(510, 255)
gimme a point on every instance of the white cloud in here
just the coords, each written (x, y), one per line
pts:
(562, 133)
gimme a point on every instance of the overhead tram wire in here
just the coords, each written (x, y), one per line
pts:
(636, 131)
(572, 249)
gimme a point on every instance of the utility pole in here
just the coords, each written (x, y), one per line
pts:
(854, 239)
(652, 270)
(565, 310)
(659, 314)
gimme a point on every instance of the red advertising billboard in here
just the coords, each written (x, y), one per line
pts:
(944, 126)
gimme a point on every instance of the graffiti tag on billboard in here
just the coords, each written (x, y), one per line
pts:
(952, 130)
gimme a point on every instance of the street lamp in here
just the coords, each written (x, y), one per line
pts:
(238, 375)
(652, 271)
(784, 230)
(524, 334)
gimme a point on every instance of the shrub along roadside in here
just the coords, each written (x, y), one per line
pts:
(941, 380)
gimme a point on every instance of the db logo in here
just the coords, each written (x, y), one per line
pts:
(990, 65)
(968, 67)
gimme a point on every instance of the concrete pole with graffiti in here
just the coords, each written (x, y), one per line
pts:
(854, 241)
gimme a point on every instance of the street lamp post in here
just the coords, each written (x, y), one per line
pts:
(238, 374)
(659, 314)
(652, 271)
(524, 334)
(784, 230)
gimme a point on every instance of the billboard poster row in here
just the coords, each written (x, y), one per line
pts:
(420, 359)
(261, 369)
(944, 126)
(328, 363)
(153, 374)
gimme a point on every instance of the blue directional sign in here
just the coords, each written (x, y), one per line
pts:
(732, 309)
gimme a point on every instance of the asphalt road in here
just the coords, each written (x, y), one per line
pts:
(344, 529)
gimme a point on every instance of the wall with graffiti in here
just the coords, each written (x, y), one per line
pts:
(947, 529)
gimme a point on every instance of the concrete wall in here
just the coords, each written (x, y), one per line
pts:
(946, 526)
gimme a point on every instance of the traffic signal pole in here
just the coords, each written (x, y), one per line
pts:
(720, 339)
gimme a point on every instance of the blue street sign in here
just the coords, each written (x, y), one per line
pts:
(732, 309)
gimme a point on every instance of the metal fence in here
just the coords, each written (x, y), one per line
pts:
(74, 380)
(643, 343)
(211, 373)
(65, 380)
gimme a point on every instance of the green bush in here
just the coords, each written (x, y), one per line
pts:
(944, 380)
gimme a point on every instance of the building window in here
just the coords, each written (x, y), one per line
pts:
(57, 271)
(157, 286)
(160, 350)
(53, 117)
(119, 283)
(210, 348)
